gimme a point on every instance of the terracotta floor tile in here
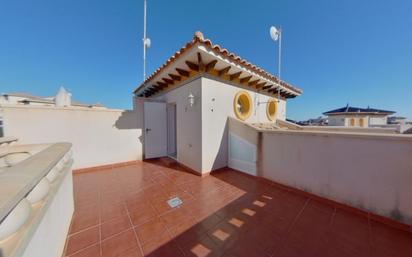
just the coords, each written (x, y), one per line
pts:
(91, 251)
(225, 214)
(137, 201)
(81, 240)
(112, 211)
(183, 227)
(119, 244)
(115, 226)
(150, 230)
(84, 219)
(209, 222)
(201, 248)
(142, 215)
(111, 199)
(135, 252)
(223, 234)
(161, 246)
(389, 241)
(176, 216)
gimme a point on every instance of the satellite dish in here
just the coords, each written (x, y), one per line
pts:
(274, 33)
(147, 42)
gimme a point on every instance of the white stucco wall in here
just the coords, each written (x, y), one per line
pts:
(378, 120)
(243, 147)
(345, 120)
(99, 137)
(217, 106)
(55, 224)
(189, 123)
(371, 172)
(336, 121)
(202, 130)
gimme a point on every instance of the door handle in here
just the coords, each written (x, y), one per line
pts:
(147, 130)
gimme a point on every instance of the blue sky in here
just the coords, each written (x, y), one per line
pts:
(338, 52)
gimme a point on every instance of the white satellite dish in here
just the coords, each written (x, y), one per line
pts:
(274, 33)
(147, 42)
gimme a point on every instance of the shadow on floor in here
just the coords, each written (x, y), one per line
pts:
(224, 214)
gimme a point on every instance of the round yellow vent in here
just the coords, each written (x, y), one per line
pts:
(242, 105)
(272, 109)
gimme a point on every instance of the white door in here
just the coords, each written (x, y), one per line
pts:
(155, 127)
(171, 130)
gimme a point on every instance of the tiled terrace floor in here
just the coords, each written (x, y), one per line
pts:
(123, 212)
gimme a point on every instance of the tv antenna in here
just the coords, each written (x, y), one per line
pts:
(146, 40)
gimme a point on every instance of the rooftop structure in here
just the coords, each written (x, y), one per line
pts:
(62, 99)
(356, 110)
(397, 120)
(206, 164)
(200, 55)
(357, 117)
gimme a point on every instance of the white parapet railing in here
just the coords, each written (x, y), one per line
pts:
(368, 171)
(243, 147)
(6, 141)
(36, 199)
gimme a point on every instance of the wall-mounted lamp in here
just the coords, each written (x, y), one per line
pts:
(191, 99)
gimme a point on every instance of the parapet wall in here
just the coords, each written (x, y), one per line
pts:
(372, 172)
(99, 137)
(369, 172)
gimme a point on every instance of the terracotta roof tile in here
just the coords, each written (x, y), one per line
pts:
(199, 38)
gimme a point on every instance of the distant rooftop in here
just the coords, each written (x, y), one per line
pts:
(27, 98)
(355, 110)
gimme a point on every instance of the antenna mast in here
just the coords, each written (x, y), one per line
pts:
(280, 60)
(144, 41)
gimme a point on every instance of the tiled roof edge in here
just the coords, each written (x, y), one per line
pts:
(199, 38)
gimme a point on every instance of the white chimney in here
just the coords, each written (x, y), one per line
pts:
(63, 98)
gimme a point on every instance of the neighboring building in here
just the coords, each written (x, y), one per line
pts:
(187, 102)
(62, 99)
(401, 124)
(358, 117)
(320, 121)
(397, 120)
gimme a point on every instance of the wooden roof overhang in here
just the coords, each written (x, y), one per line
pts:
(199, 57)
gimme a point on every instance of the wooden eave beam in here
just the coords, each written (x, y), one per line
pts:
(235, 75)
(260, 85)
(168, 81)
(210, 65)
(245, 79)
(266, 87)
(192, 66)
(155, 86)
(175, 77)
(183, 72)
(200, 62)
(224, 71)
(151, 91)
(253, 83)
(162, 85)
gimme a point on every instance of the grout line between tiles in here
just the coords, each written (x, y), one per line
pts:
(284, 238)
(139, 244)
(85, 248)
(370, 234)
(332, 219)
